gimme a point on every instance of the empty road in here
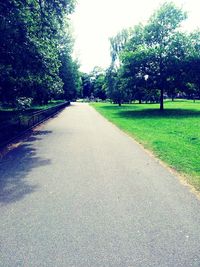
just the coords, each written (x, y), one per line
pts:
(79, 192)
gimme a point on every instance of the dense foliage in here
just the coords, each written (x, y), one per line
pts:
(154, 61)
(36, 51)
(93, 84)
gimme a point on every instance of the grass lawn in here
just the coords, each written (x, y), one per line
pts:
(173, 135)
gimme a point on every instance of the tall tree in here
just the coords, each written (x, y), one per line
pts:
(147, 57)
(118, 44)
(31, 32)
(159, 33)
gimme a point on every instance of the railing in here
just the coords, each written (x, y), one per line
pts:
(26, 121)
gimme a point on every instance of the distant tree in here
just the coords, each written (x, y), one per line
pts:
(87, 86)
(118, 44)
(115, 88)
(98, 83)
(113, 84)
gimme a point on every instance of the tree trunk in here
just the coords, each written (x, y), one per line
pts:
(161, 99)
(140, 101)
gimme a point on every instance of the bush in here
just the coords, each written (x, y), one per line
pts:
(23, 103)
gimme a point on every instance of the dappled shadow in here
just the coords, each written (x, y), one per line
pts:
(37, 135)
(40, 132)
(15, 167)
(156, 113)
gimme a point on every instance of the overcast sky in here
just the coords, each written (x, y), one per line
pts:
(94, 21)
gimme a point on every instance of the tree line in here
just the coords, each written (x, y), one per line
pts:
(36, 47)
(150, 62)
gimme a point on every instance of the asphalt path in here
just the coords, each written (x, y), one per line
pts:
(79, 192)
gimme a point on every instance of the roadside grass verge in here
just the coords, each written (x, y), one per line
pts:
(173, 135)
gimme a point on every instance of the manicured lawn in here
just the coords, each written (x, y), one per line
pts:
(173, 135)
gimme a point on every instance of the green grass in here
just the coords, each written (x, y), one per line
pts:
(173, 135)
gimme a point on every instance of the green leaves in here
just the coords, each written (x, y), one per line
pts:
(158, 50)
(31, 35)
(163, 23)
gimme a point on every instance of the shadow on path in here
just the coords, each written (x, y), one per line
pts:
(14, 168)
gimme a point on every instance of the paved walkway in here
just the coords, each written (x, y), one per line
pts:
(79, 192)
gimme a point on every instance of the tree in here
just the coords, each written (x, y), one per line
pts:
(148, 53)
(192, 64)
(114, 87)
(97, 77)
(31, 33)
(118, 44)
(87, 87)
(69, 69)
(99, 88)
(159, 33)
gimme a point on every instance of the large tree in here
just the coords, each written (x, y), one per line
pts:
(159, 34)
(31, 32)
(146, 60)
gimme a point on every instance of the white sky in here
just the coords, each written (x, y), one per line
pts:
(94, 21)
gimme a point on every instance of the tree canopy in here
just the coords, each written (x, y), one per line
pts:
(148, 62)
(35, 47)
(156, 60)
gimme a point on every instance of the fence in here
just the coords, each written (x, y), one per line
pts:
(26, 121)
